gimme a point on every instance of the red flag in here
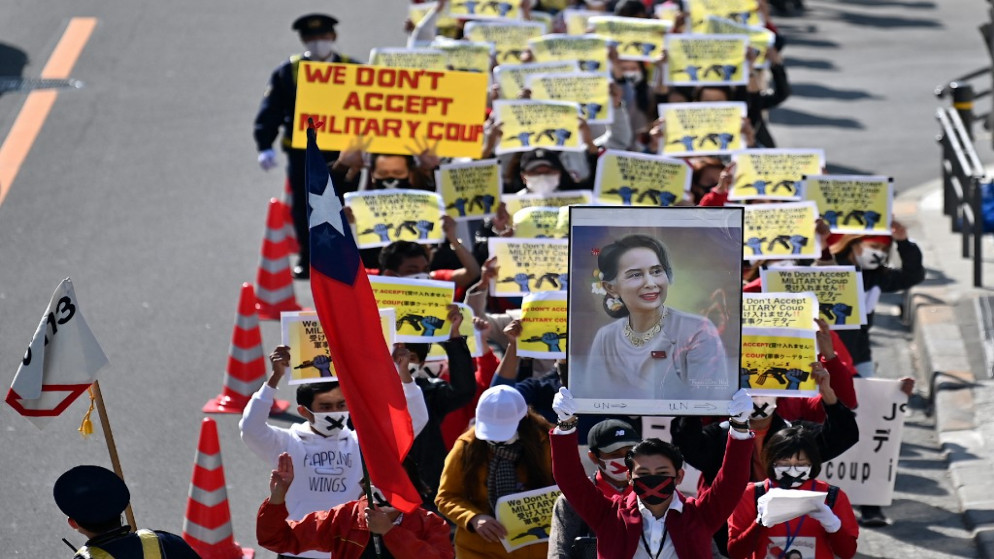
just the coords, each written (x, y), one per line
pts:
(351, 322)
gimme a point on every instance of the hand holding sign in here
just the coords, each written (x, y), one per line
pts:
(488, 528)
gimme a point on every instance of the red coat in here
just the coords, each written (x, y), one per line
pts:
(617, 521)
(342, 531)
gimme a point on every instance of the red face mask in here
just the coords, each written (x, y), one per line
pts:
(654, 489)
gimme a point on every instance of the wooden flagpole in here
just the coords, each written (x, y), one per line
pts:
(111, 447)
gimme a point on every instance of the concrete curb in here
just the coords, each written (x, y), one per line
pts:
(942, 365)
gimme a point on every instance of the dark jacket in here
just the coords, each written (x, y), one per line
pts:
(123, 544)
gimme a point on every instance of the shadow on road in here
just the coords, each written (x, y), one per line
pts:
(793, 117)
(818, 91)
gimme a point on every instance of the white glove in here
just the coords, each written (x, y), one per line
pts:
(267, 159)
(740, 407)
(563, 404)
(829, 521)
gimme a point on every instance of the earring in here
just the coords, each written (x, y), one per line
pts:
(614, 303)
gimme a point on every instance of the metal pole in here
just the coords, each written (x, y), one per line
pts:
(978, 231)
(962, 94)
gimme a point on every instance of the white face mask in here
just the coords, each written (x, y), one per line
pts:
(791, 476)
(782, 264)
(425, 370)
(330, 423)
(321, 49)
(614, 468)
(420, 275)
(542, 184)
(871, 258)
(632, 76)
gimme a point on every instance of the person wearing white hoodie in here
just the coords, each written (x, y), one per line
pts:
(325, 450)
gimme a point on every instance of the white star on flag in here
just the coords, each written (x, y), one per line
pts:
(325, 208)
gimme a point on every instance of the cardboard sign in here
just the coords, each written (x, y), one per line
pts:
(635, 179)
(760, 38)
(779, 310)
(780, 231)
(543, 325)
(777, 362)
(700, 60)
(444, 23)
(839, 290)
(590, 51)
(391, 108)
(421, 58)
(310, 360)
(577, 21)
(510, 38)
(590, 90)
(420, 305)
(527, 516)
(518, 202)
(491, 9)
(469, 190)
(512, 78)
(634, 38)
(703, 128)
(474, 341)
(465, 56)
(773, 174)
(536, 222)
(745, 12)
(529, 266)
(534, 124)
(852, 204)
(385, 216)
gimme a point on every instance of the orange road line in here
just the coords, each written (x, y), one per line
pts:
(36, 107)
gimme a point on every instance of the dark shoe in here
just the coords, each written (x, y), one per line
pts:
(872, 517)
(301, 271)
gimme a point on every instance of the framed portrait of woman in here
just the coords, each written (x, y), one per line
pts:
(654, 306)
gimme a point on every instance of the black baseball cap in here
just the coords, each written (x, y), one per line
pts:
(610, 435)
(314, 24)
(91, 494)
(537, 158)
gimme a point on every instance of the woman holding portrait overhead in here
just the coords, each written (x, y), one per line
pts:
(651, 351)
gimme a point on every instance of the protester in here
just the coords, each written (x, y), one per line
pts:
(506, 452)
(93, 498)
(324, 449)
(793, 461)
(407, 259)
(349, 529)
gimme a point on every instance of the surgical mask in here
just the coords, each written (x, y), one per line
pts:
(542, 184)
(763, 407)
(425, 370)
(654, 489)
(614, 468)
(419, 275)
(330, 423)
(320, 49)
(789, 477)
(391, 183)
(871, 258)
(513, 439)
(633, 76)
(782, 264)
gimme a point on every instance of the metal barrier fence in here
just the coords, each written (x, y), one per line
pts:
(963, 181)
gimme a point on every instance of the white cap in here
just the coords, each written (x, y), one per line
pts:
(498, 413)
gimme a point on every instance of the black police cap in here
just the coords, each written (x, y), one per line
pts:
(314, 24)
(91, 494)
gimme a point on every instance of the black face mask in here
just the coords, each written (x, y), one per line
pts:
(654, 489)
(381, 184)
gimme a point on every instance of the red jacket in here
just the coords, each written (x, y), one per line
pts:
(342, 531)
(617, 521)
(749, 539)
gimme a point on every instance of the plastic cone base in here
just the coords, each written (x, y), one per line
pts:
(226, 403)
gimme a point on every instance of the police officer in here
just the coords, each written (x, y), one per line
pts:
(317, 32)
(93, 498)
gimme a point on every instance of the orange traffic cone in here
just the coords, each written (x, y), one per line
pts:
(274, 283)
(207, 525)
(246, 362)
(291, 235)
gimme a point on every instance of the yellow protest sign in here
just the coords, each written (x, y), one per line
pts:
(577, 20)
(700, 60)
(635, 179)
(512, 77)
(634, 38)
(773, 174)
(590, 90)
(529, 265)
(741, 11)
(421, 307)
(446, 25)
(535, 124)
(488, 9)
(510, 38)
(780, 231)
(385, 216)
(310, 360)
(590, 50)
(562, 224)
(543, 325)
(544, 18)
(536, 222)
(474, 341)
(465, 56)
(839, 290)
(526, 516)
(393, 109)
(469, 190)
(517, 202)
(420, 58)
(760, 38)
(668, 12)
(780, 310)
(777, 362)
(851, 203)
(702, 128)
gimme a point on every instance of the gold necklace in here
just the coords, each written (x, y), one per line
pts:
(639, 339)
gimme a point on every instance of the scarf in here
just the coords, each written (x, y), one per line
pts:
(502, 475)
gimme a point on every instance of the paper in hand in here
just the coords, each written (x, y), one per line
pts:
(780, 505)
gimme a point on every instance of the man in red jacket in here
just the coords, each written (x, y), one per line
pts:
(654, 521)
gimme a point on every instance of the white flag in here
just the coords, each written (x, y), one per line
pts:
(61, 362)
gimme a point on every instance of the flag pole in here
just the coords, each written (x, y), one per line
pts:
(369, 499)
(111, 447)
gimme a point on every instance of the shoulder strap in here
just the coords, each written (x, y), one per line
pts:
(92, 552)
(295, 66)
(833, 493)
